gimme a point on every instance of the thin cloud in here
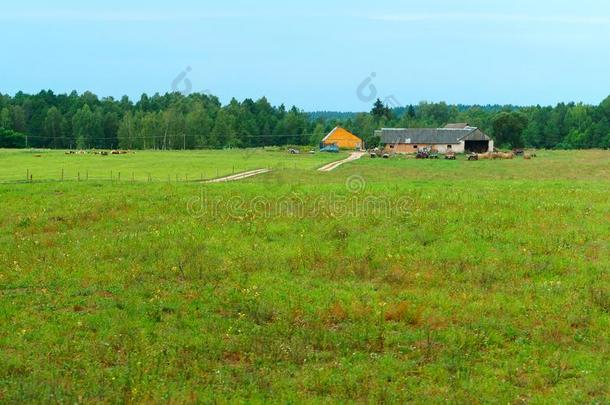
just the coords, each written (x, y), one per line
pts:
(491, 17)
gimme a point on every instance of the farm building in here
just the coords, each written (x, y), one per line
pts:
(458, 138)
(343, 139)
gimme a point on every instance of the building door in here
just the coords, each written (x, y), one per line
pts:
(477, 146)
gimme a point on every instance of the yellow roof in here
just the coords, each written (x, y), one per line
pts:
(341, 134)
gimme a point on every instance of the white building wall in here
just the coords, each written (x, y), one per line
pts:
(459, 148)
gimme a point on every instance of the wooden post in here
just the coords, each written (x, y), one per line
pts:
(62, 174)
(78, 176)
(119, 178)
(111, 175)
(27, 175)
(87, 176)
(132, 177)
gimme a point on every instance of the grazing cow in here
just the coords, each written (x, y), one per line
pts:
(484, 156)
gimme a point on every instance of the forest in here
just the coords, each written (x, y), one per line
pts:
(177, 121)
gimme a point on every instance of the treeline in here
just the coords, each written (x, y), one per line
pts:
(170, 121)
(176, 121)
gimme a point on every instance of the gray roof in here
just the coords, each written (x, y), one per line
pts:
(430, 135)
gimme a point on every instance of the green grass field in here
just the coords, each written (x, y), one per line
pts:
(15, 165)
(383, 281)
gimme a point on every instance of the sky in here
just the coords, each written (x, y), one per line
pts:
(317, 55)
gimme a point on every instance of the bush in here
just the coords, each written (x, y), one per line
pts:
(11, 139)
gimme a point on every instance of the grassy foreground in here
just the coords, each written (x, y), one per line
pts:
(384, 281)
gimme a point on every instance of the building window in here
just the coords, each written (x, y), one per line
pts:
(448, 146)
(391, 146)
(414, 146)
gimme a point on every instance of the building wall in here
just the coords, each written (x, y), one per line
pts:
(460, 147)
(412, 148)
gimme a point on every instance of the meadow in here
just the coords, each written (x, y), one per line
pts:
(385, 281)
(49, 165)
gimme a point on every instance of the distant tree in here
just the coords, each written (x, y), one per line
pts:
(381, 111)
(53, 127)
(508, 129)
(19, 119)
(6, 122)
(319, 133)
(224, 133)
(87, 127)
(199, 127)
(411, 112)
(126, 132)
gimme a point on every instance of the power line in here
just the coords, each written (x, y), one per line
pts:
(181, 136)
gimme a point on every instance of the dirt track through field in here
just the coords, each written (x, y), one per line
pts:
(332, 166)
(239, 176)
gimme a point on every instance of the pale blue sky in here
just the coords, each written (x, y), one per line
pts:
(314, 54)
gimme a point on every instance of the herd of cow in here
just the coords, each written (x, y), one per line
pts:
(98, 152)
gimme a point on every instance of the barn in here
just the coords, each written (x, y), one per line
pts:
(458, 138)
(343, 139)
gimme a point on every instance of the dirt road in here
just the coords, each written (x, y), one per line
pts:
(332, 166)
(239, 176)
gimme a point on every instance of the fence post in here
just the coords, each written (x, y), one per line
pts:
(132, 176)
(87, 175)
(62, 174)
(78, 176)
(111, 176)
(27, 175)
(119, 178)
